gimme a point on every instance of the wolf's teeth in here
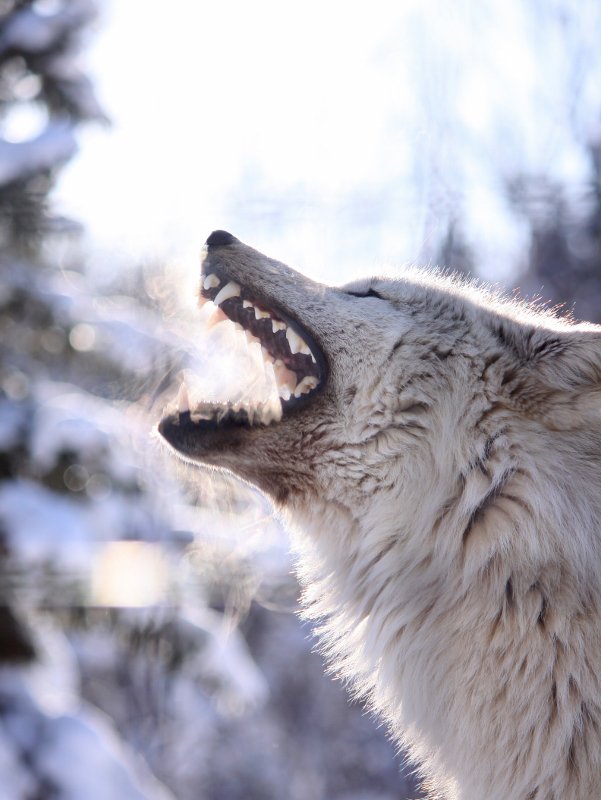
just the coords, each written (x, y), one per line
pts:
(211, 282)
(277, 325)
(285, 378)
(308, 383)
(183, 401)
(197, 416)
(230, 289)
(294, 340)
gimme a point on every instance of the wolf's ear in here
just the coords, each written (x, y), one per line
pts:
(557, 372)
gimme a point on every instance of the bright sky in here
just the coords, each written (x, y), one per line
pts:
(337, 136)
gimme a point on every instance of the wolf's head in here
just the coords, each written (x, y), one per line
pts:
(380, 376)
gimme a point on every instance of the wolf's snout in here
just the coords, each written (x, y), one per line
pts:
(220, 239)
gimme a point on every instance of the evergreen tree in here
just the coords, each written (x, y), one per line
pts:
(564, 261)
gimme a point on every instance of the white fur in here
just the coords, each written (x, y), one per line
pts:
(443, 494)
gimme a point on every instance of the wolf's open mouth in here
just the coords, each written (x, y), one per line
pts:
(293, 362)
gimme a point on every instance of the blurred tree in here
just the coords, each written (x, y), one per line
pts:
(564, 262)
(44, 96)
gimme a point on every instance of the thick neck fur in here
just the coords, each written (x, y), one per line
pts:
(467, 612)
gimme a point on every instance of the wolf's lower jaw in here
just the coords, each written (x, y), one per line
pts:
(293, 368)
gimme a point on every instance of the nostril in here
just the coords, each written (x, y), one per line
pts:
(220, 239)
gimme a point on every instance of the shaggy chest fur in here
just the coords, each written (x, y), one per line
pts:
(438, 460)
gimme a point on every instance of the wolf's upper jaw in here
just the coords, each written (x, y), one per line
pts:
(291, 359)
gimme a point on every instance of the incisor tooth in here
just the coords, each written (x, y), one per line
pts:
(211, 282)
(230, 289)
(294, 341)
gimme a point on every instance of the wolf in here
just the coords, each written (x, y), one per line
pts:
(435, 451)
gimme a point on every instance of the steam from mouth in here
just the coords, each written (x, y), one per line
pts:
(290, 364)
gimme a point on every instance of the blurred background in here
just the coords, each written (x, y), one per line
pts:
(148, 642)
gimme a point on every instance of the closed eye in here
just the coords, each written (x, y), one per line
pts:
(368, 293)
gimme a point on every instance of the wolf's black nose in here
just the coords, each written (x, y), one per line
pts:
(220, 239)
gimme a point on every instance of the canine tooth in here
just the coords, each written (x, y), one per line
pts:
(211, 282)
(259, 314)
(294, 340)
(305, 349)
(183, 401)
(277, 325)
(230, 289)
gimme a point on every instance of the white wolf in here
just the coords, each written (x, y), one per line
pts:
(437, 455)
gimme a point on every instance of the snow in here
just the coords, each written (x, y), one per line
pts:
(31, 515)
(33, 31)
(17, 780)
(19, 160)
(77, 754)
(12, 418)
(82, 755)
(71, 420)
(226, 662)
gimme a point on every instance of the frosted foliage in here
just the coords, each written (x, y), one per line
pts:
(70, 755)
(20, 160)
(32, 31)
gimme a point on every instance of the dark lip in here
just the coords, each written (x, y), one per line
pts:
(195, 440)
(270, 305)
